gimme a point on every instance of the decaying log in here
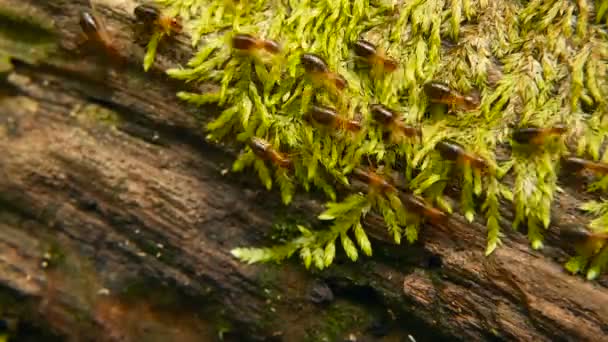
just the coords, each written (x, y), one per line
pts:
(107, 184)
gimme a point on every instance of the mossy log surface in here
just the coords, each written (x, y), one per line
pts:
(108, 169)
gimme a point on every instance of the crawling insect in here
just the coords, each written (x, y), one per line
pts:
(419, 206)
(151, 16)
(94, 31)
(97, 35)
(536, 136)
(439, 92)
(453, 151)
(265, 151)
(374, 180)
(575, 164)
(389, 119)
(578, 234)
(329, 117)
(586, 242)
(374, 56)
(318, 69)
(249, 43)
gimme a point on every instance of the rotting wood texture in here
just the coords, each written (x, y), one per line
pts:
(112, 172)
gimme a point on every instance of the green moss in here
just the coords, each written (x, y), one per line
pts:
(537, 63)
(5, 65)
(99, 115)
(29, 38)
(337, 321)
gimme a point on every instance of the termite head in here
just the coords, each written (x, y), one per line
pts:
(171, 24)
(365, 49)
(339, 81)
(313, 63)
(389, 64)
(151, 15)
(89, 25)
(382, 114)
(472, 100)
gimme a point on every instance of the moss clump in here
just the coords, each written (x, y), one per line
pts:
(32, 42)
(538, 63)
(99, 115)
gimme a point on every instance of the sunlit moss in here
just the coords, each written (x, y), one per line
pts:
(536, 63)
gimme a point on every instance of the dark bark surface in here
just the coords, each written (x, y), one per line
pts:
(115, 213)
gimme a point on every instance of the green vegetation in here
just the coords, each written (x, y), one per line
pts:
(535, 63)
(33, 42)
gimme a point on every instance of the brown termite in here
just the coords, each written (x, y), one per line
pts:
(419, 206)
(264, 150)
(389, 119)
(439, 92)
(453, 151)
(578, 234)
(316, 66)
(374, 180)
(374, 56)
(586, 242)
(575, 164)
(152, 17)
(536, 136)
(248, 43)
(97, 35)
(327, 116)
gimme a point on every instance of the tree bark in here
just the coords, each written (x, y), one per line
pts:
(117, 220)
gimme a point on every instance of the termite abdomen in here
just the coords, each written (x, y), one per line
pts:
(313, 63)
(365, 49)
(382, 114)
(324, 115)
(146, 13)
(449, 150)
(89, 25)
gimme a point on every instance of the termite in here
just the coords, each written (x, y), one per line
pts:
(374, 56)
(575, 164)
(249, 43)
(536, 136)
(316, 66)
(453, 151)
(329, 117)
(419, 206)
(152, 16)
(96, 34)
(389, 119)
(374, 180)
(586, 242)
(578, 234)
(264, 150)
(439, 92)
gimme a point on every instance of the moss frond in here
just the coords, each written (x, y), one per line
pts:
(592, 255)
(534, 63)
